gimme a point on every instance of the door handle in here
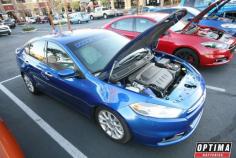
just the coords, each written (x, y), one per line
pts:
(27, 61)
(48, 74)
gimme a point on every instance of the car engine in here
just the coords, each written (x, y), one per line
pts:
(155, 78)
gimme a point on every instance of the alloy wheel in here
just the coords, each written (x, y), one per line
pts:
(29, 84)
(111, 125)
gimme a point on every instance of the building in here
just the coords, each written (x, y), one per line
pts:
(21, 8)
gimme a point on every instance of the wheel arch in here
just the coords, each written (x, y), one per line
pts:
(186, 47)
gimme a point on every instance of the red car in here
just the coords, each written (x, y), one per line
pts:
(199, 45)
(8, 145)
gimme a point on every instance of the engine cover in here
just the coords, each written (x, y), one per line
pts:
(153, 75)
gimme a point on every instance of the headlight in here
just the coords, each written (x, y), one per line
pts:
(157, 111)
(215, 45)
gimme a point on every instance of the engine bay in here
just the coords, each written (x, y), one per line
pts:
(211, 33)
(155, 77)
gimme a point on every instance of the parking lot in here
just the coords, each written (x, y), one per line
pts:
(46, 128)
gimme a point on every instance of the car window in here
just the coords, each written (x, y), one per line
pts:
(142, 24)
(99, 9)
(95, 52)
(57, 58)
(125, 24)
(37, 50)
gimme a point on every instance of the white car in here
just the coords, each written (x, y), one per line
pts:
(4, 29)
(30, 20)
(119, 12)
(57, 20)
(79, 17)
(102, 12)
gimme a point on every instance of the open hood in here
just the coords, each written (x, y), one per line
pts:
(149, 38)
(214, 7)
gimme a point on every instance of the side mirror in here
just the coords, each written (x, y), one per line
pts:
(66, 73)
(18, 50)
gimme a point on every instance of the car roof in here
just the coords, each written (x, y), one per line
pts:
(71, 36)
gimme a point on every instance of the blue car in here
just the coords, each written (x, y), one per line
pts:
(219, 15)
(228, 9)
(130, 89)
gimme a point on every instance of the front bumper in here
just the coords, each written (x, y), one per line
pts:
(162, 132)
(217, 57)
(2, 32)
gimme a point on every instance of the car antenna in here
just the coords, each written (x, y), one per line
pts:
(112, 68)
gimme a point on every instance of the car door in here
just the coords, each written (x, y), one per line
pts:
(34, 61)
(72, 89)
(124, 27)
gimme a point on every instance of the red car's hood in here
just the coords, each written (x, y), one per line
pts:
(149, 38)
(217, 5)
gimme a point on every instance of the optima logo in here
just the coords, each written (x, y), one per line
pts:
(213, 150)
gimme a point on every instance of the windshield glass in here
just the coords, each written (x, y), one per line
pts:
(202, 4)
(96, 52)
(178, 26)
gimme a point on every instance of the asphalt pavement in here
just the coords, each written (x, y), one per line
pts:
(81, 135)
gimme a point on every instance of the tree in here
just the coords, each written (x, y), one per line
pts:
(105, 3)
(75, 5)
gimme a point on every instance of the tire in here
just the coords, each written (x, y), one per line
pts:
(79, 22)
(107, 120)
(71, 22)
(9, 33)
(30, 84)
(105, 16)
(91, 17)
(188, 55)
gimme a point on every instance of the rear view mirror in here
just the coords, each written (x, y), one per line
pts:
(66, 73)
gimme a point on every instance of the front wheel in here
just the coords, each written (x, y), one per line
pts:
(79, 22)
(91, 17)
(113, 125)
(188, 55)
(29, 84)
(9, 33)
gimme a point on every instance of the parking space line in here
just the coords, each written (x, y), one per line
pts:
(64, 143)
(7, 80)
(215, 88)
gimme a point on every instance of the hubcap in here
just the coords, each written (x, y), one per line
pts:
(110, 124)
(28, 83)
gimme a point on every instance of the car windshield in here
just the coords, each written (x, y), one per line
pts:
(178, 26)
(7, 20)
(97, 51)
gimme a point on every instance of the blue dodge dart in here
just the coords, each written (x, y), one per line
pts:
(129, 88)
